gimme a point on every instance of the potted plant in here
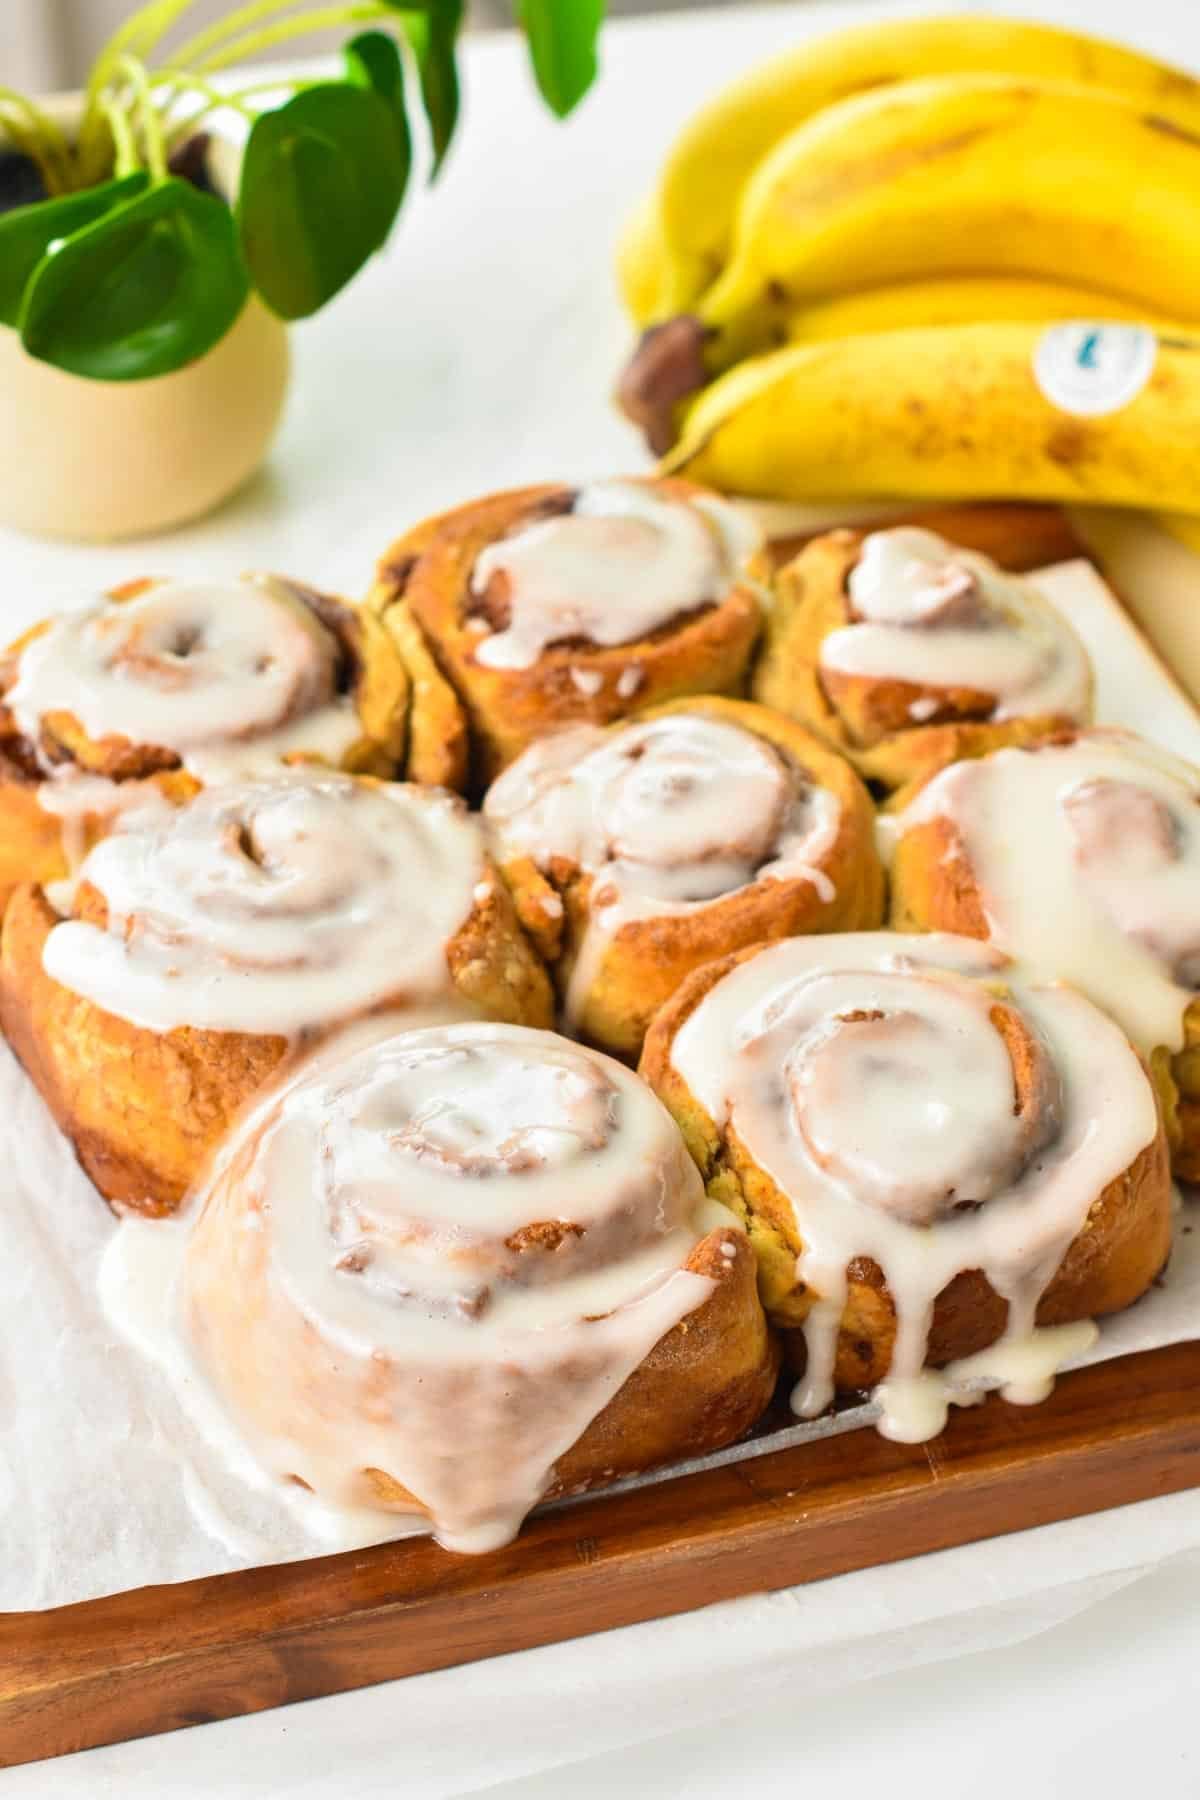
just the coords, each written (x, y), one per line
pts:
(145, 283)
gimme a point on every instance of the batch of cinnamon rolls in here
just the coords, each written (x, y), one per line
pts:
(595, 973)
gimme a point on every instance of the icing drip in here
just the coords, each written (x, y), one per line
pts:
(912, 1116)
(230, 676)
(1087, 858)
(436, 1259)
(623, 562)
(940, 617)
(667, 815)
(274, 906)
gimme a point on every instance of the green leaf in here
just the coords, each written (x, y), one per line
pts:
(146, 289)
(322, 181)
(27, 233)
(433, 33)
(373, 61)
(562, 43)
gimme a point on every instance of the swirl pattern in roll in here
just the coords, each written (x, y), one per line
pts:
(639, 852)
(207, 941)
(162, 687)
(932, 1165)
(1103, 891)
(453, 1269)
(907, 652)
(552, 606)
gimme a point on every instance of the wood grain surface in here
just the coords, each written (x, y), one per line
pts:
(160, 1658)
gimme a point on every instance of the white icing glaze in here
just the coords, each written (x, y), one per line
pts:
(623, 562)
(230, 676)
(865, 1076)
(1087, 858)
(363, 1289)
(274, 906)
(668, 815)
(940, 617)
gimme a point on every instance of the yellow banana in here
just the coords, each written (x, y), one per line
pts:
(955, 300)
(951, 413)
(683, 231)
(1183, 528)
(639, 270)
(945, 176)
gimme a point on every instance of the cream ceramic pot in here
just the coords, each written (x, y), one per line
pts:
(105, 459)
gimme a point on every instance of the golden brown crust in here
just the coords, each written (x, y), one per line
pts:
(388, 697)
(1017, 536)
(1123, 1246)
(867, 718)
(438, 751)
(430, 570)
(934, 887)
(146, 1109)
(702, 1386)
(648, 958)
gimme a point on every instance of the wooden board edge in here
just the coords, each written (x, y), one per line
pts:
(159, 1659)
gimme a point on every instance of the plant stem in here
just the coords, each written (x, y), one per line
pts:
(215, 100)
(40, 138)
(136, 37)
(242, 19)
(153, 138)
(319, 19)
(127, 159)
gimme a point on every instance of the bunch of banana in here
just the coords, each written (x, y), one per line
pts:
(856, 253)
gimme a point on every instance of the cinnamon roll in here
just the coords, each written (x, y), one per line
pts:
(207, 942)
(907, 653)
(162, 687)
(938, 1173)
(1081, 860)
(637, 852)
(457, 1269)
(551, 606)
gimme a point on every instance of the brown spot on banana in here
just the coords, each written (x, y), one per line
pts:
(1068, 445)
(847, 179)
(1171, 128)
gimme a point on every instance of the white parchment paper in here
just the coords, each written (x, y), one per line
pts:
(106, 1482)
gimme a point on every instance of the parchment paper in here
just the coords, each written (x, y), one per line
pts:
(105, 1481)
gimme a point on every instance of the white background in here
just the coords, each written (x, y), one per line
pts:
(477, 353)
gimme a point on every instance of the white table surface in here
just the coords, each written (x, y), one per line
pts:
(479, 352)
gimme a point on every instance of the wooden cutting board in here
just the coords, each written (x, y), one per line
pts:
(160, 1658)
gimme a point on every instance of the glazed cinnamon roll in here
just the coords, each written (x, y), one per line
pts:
(164, 687)
(639, 852)
(457, 1269)
(208, 942)
(935, 1170)
(907, 653)
(1081, 860)
(551, 606)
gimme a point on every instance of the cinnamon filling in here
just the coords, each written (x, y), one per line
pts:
(916, 1122)
(623, 564)
(953, 635)
(273, 906)
(385, 1246)
(664, 816)
(1106, 892)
